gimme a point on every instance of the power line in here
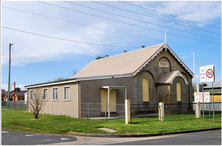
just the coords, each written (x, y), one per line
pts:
(100, 28)
(79, 23)
(107, 45)
(155, 18)
(169, 15)
(140, 20)
(128, 23)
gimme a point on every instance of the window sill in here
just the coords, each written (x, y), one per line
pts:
(66, 100)
(45, 100)
(55, 100)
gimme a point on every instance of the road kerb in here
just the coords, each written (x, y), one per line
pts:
(142, 134)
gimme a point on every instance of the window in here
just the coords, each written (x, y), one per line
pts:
(66, 93)
(145, 88)
(31, 95)
(45, 94)
(178, 91)
(55, 93)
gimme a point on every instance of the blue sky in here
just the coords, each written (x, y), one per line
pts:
(126, 26)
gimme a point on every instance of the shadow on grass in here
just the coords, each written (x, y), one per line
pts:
(144, 122)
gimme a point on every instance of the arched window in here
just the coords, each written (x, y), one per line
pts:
(145, 88)
(178, 91)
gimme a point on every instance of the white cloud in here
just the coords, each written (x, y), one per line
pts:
(29, 48)
(203, 12)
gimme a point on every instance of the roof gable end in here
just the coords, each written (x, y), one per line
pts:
(164, 46)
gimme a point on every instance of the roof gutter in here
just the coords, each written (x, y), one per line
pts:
(50, 84)
(103, 77)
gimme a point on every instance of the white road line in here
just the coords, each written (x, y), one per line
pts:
(65, 138)
(4, 131)
(29, 135)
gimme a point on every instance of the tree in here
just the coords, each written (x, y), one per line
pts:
(60, 79)
(100, 57)
(17, 89)
(36, 101)
(73, 72)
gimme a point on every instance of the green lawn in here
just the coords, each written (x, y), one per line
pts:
(21, 121)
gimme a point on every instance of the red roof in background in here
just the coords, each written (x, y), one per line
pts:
(18, 93)
(3, 93)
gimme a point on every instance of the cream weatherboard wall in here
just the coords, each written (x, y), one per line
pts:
(60, 106)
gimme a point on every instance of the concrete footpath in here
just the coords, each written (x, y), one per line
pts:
(141, 134)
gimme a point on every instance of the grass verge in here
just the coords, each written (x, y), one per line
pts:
(21, 121)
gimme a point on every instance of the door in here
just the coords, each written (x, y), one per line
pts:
(104, 99)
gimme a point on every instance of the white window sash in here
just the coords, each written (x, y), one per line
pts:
(45, 93)
(66, 92)
(54, 93)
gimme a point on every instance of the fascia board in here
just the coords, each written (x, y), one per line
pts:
(103, 77)
(49, 84)
(157, 53)
(151, 58)
(179, 60)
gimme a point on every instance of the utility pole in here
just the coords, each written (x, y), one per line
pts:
(194, 71)
(9, 67)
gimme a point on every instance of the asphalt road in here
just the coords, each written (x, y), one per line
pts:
(197, 138)
(23, 138)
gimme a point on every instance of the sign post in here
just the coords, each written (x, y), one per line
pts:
(207, 74)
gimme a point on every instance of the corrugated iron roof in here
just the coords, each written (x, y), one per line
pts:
(215, 85)
(125, 63)
(17, 93)
(169, 77)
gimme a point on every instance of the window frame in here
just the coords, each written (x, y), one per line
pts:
(178, 91)
(56, 93)
(31, 95)
(64, 93)
(147, 98)
(45, 94)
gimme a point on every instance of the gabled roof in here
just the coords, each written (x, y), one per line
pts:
(17, 93)
(217, 84)
(125, 64)
(169, 77)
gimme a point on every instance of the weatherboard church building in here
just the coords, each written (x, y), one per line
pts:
(145, 76)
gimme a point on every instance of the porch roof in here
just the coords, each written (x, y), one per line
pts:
(113, 87)
(169, 77)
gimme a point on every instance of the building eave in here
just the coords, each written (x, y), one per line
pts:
(104, 77)
(51, 83)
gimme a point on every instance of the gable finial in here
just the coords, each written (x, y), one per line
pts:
(165, 37)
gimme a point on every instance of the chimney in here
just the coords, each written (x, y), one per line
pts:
(124, 51)
(107, 55)
(143, 46)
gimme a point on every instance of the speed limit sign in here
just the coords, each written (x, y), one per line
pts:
(207, 73)
(210, 73)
